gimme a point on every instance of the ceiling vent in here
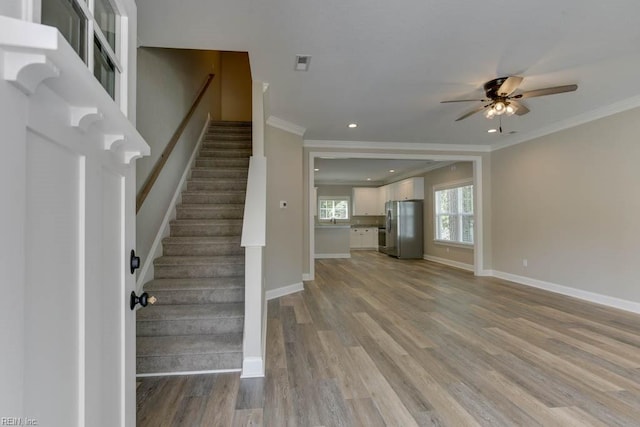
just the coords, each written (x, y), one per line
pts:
(302, 62)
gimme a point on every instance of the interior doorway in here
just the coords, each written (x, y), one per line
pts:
(476, 161)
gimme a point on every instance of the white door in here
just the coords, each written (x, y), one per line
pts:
(68, 224)
(79, 346)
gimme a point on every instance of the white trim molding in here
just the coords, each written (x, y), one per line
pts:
(279, 123)
(331, 256)
(252, 367)
(173, 374)
(450, 263)
(307, 277)
(609, 301)
(284, 290)
(389, 145)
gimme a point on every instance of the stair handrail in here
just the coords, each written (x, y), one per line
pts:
(162, 160)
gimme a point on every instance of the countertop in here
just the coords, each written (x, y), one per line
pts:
(333, 226)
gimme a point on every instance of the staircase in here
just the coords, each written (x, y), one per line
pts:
(197, 323)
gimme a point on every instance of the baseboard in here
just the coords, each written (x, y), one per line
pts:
(146, 272)
(328, 256)
(609, 301)
(285, 290)
(173, 374)
(485, 273)
(307, 277)
(252, 367)
(450, 263)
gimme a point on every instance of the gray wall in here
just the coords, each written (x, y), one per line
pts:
(168, 82)
(283, 253)
(568, 203)
(456, 172)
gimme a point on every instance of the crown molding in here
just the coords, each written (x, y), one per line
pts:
(410, 146)
(279, 123)
(599, 113)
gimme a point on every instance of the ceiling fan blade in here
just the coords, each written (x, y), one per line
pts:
(472, 112)
(463, 100)
(510, 85)
(521, 109)
(547, 91)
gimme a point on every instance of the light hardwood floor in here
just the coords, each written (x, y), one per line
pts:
(376, 341)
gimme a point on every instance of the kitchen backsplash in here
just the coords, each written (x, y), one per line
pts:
(364, 220)
(367, 220)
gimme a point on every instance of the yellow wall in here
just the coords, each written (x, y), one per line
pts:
(236, 86)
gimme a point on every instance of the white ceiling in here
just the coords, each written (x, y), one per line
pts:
(387, 64)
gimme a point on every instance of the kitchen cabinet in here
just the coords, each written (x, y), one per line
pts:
(366, 201)
(332, 241)
(386, 194)
(407, 189)
(364, 238)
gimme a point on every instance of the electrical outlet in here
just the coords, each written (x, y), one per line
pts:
(283, 204)
(525, 262)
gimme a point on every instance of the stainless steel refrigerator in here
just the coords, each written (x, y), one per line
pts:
(404, 226)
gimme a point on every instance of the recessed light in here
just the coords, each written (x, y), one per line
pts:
(391, 170)
(492, 130)
(368, 179)
(353, 125)
(316, 169)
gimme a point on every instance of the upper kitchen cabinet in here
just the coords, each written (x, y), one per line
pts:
(407, 189)
(366, 201)
(410, 189)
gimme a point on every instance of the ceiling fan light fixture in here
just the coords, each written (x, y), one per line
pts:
(511, 109)
(490, 113)
(499, 107)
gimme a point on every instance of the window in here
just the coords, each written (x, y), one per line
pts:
(91, 28)
(330, 208)
(454, 219)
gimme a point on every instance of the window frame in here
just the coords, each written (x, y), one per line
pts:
(436, 214)
(93, 34)
(335, 199)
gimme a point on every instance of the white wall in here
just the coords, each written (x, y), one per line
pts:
(283, 253)
(12, 8)
(568, 203)
(168, 82)
(456, 172)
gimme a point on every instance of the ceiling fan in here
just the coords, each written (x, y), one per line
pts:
(500, 99)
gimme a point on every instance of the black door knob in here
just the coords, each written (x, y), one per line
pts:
(134, 261)
(144, 299)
